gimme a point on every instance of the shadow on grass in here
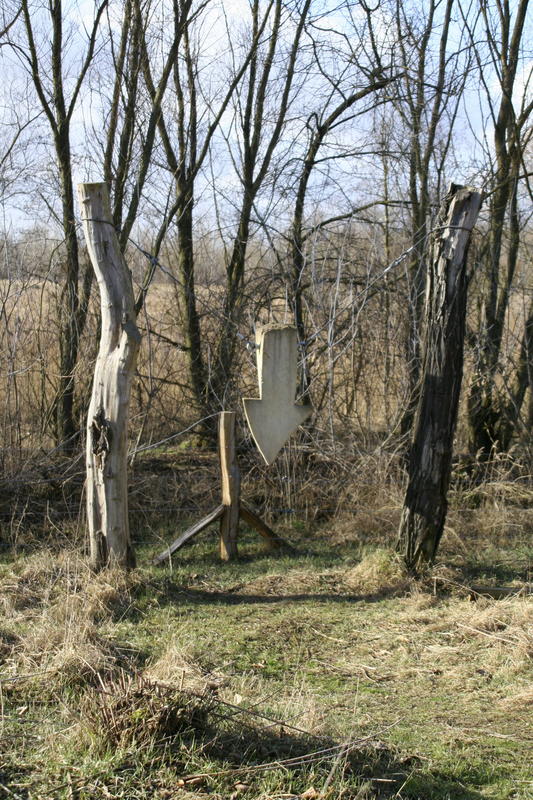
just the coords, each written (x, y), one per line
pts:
(290, 762)
(500, 574)
(219, 748)
(170, 593)
(13, 775)
(208, 597)
(441, 786)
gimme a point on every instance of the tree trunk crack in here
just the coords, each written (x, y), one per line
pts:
(102, 437)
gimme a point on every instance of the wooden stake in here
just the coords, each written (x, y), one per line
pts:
(189, 533)
(231, 508)
(262, 528)
(231, 486)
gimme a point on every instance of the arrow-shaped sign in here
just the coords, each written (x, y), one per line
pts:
(275, 415)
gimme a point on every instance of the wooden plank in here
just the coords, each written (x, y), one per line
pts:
(189, 533)
(261, 527)
(231, 486)
(274, 416)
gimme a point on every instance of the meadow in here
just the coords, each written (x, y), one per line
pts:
(323, 673)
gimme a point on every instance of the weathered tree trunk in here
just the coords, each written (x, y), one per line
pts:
(107, 422)
(425, 504)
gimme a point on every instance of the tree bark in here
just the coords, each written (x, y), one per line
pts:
(425, 504)
(107, 422)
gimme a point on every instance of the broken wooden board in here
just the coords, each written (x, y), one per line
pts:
(189, 533)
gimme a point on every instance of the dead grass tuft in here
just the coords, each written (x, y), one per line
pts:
(66, 648)
(493, 616)
(501, 492)
(133, 712)
(504, 627)
(379, 572)
(522, 701)
(109, 591)
(8, 641)
(56, 604)
(175, 668)
(34, 585)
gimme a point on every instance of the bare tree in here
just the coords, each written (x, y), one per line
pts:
(44, 61)
(435, 69)
(498, 31)
(362, 75)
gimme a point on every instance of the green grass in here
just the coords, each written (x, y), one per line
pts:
(409, 694)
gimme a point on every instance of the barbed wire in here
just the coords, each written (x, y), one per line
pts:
(156, 263)
(325, 511)
(155, 445)
(250, 345)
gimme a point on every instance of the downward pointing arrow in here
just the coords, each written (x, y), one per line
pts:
(275, 415)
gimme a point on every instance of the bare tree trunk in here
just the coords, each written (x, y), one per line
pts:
(505, 34)
(107, 422)
(425, 504)
(69, 314)
(509, 416)
(48, 78)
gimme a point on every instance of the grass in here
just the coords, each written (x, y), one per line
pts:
(323, 674)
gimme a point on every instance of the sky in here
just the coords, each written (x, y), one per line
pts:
(18, 105)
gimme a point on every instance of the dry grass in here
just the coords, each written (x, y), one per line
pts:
(129, 712)
(235, 659)
(56, 604)
(521, 701)
(379, 572)
(175, 668)
(503, 629)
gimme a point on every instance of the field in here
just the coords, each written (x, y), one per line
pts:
(316, 165)
(324, 673)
